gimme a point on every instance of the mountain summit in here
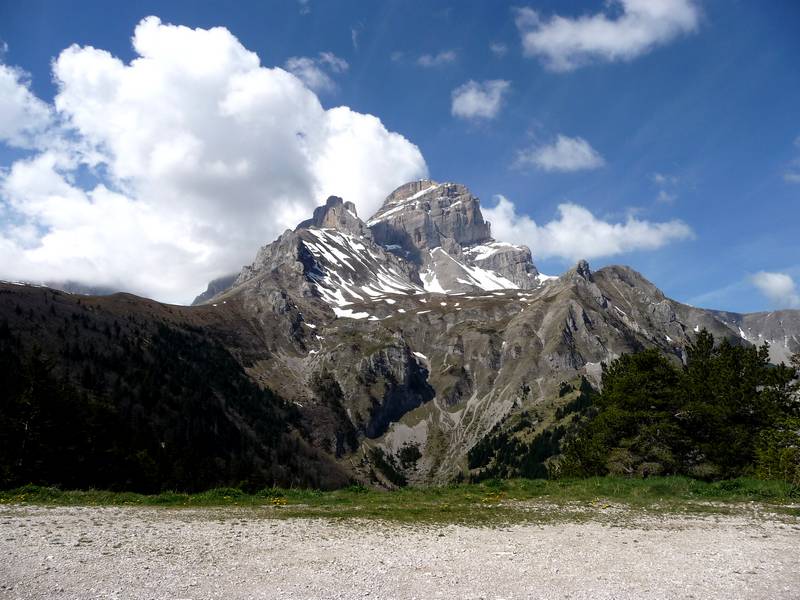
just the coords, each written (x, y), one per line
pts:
(426, 238)
(440, 227)
(337, 214)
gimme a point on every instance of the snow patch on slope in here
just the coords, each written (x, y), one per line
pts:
(347, 271)
(484, 251)
(441, 262)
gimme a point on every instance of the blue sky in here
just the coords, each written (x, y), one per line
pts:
(698, 128)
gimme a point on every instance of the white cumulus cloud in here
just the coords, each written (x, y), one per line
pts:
(479, 100)
(632, 28)
(577, 233)
(165, 172)
(23, 116)
(315, 72)
(563, 154)
(779, 288)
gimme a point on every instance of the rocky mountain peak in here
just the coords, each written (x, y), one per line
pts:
(427, 237)
(440, 228)
(412, 188)
(337, 214)
(424, 214)
(582, 269)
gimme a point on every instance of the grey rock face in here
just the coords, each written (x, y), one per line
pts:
(440, 227)
(446, 273)
(283, 251)
(337, 214)
(512, 262)
(780, 329)
(426, 215)
(332, 257)
(380, 386)
(423, 215)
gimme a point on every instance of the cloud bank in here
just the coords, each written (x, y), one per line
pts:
(637, 26)
(163, 173)
(577, 233)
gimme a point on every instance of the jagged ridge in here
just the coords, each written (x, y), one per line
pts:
(427, 237)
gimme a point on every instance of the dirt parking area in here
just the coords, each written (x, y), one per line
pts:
(88, 552)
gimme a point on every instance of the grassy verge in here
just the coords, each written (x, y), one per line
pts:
(488, 502)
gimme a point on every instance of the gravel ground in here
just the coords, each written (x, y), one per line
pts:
(87, 552)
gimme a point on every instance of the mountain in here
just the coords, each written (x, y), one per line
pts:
(75, 287)
(408, 347)
(780, 329)
(433, 236)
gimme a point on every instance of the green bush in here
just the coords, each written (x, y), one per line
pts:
(778, 452)
(727, 413)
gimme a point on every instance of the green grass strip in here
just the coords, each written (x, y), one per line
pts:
(491, 501)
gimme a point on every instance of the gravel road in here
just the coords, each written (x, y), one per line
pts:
(229, 553)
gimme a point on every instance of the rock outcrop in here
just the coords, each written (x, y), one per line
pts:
(337, 214)
(423, 215)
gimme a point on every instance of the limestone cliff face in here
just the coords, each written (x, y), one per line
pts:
(440, 227)
(513, 262)
(337, 214)
(426, 237)
(426, 215)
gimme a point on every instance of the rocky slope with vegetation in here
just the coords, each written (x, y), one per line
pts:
(410, 348)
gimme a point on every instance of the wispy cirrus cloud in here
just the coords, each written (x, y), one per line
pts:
(316, 72)
(666, 185)
(792, 174)
(499, 49)
(445, 57)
